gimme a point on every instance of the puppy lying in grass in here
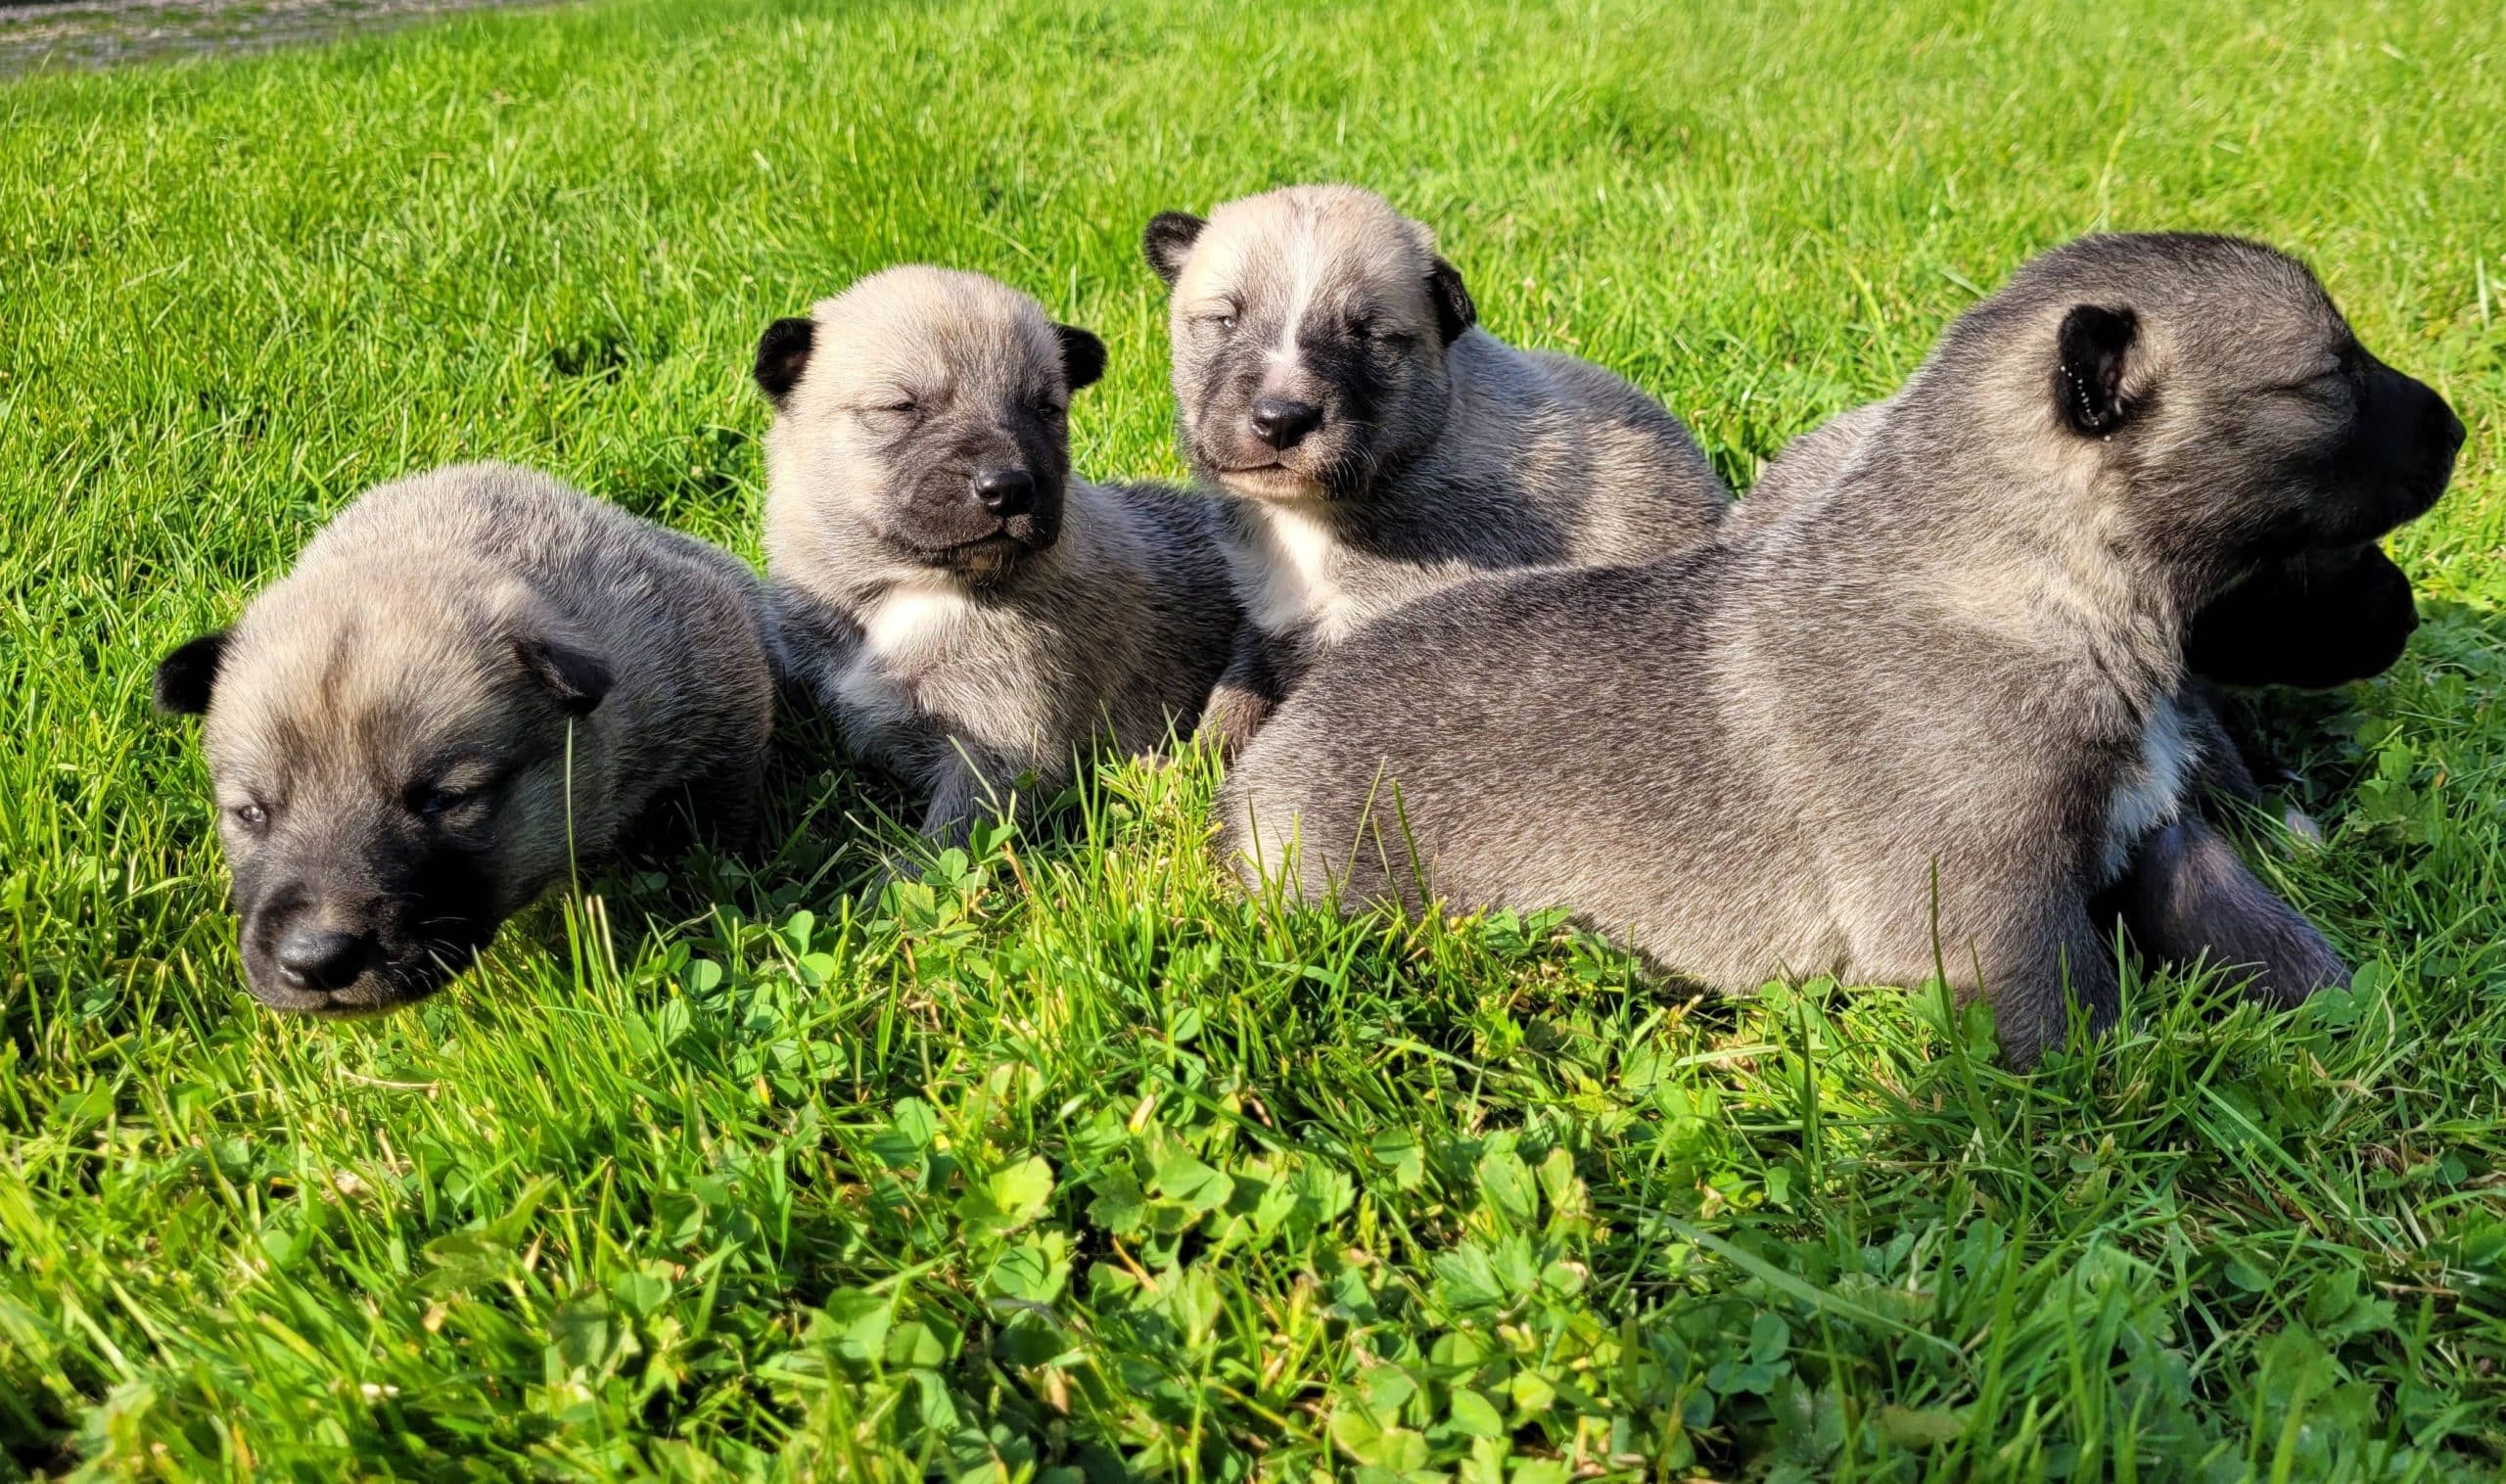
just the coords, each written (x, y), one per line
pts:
(472, 680)
(1374, 444)
(1918, 722)
(2314, 619)
(969, 612)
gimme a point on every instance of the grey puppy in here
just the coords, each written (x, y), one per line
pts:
(1919, 721)
(472, 679)
(1330, 377)
(967, 610)
(2319, 618)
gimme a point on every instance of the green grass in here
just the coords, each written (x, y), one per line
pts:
(1076, 1160)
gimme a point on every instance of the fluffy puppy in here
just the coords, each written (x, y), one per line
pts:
(472, 679)
(2315, 618)
(967, 610)
(1374, 444)
(1917, 722)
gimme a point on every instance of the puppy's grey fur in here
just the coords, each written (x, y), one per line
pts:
(961, 639)
(2319, 618)
(1920, 719)
(1330, 378)
(472, 678)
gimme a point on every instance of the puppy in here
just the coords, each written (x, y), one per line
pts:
(472, 679)
(1914, 724)
(968, 611)
(1329, 378)
(2316, 618)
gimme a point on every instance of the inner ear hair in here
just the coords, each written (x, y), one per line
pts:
(1455, 313)
(1168, 241)
(186, 678)
(782, 354)
(2094, 353)
(572, 669)
(1083, 356)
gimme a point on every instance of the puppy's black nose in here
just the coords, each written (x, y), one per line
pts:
(1006, 491)
(319, 958)
(1283, 424)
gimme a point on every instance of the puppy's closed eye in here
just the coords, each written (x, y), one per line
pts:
(890, 411)
(2331, 384)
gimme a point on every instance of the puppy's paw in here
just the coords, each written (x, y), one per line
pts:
(1234, 716)
(2299, 965)
(2303, 833)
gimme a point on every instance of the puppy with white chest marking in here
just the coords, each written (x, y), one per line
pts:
(969, 611)
(1918, 722)
(2313, 619)
(1375, 444)
(472, 680)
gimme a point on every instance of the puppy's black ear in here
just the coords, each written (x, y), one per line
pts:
(185, 678)
(2090, 383)
(782, 354)
(1455, 313)
(574, 673)
(1168, 241)
(1083, 355)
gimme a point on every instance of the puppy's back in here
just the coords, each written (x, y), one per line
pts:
(1607, 472)
(1459, 738)
(1806, 465)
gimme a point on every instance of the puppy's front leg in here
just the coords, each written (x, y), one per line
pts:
(950, 818)
(2187, 896)
(968, 783)
(2021, 938)
(1248, 691)
(2058, 959)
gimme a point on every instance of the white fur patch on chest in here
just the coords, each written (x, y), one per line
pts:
(1294, 586)
(906, 630)
(935, 661)
(2151, 788)
(916, 616)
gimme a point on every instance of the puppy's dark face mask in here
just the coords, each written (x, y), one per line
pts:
(1308, 342)
(387, 795)
(950, 438)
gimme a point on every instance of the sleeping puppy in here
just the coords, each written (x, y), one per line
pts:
(968, 611)
(1913, 724)
(473, 679)
(1373, 443)
(2316, 618)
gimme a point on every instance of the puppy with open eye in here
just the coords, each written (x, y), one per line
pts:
(471, 681)
(969, 611)
(1331, 379)
(1919, 723)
